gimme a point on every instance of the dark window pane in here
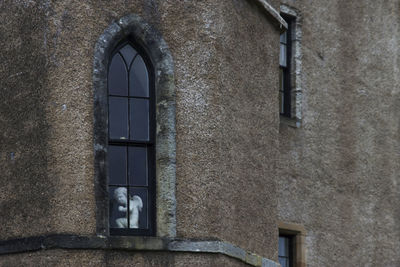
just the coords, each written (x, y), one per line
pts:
(128, 53)
(117, 164)
(138, 208)
(281, 102)
(283, 37)
(118, 207)
(138, 78)
(139, 119)
(118, 117)
(284, 262)
(137, 166)
(117, 77)
(282, 55)
(283, 249)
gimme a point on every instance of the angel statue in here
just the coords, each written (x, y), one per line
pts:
(135, 206)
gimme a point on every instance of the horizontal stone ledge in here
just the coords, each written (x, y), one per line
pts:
(133, 243)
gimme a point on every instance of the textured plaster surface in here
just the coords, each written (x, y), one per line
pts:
(339, 172)
(46, 163)
(225, 125)
(225, 55)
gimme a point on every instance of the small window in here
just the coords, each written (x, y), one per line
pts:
(285, 69)
(285, 250)
(131, 142)
(291, 245)
(290, 72)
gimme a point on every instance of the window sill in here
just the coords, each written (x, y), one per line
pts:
(292, 122)
(130, 243)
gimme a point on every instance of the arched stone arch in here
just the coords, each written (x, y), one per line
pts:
(134, 28)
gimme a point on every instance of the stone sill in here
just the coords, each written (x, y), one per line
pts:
(292, 122)
(132, 243)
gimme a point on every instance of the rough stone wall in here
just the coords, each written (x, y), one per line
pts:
(225, 55)
(339, 172)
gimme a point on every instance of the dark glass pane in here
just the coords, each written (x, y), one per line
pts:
(118, 207)
(281, 102)
(138, 166)
(281, 80)
(283, 249)
(282, 55)
(138, 78)
(283, 37)
(128, 53)
(118, 117)
(117, 77)
(117, 164)
(284, 262)
(138, 206)
(139, 119)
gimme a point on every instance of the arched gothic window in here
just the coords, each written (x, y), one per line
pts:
(131, 141)
(134, 131)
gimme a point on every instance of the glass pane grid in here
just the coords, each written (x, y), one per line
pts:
(129, 141)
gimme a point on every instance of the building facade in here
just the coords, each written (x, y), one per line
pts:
(268, 132)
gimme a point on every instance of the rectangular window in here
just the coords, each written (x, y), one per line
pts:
(285, 251)
(291, 245)
(285, 55)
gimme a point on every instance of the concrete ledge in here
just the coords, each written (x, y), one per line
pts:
(273, 13)
(133, 243)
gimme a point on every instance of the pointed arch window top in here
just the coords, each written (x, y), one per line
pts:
(139, 78)
(128, 53)
(118, 76)
(128, 74)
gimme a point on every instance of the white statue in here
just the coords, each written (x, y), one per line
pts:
(135, 206)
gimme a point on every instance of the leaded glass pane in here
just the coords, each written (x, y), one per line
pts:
(138, 166)
(117, 161)
(139, 78)
(128, 53)
(118, 118)
(139, 119)
(117, 77)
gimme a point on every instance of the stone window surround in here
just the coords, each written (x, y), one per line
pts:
(133, 27)
(296, 70)
(298, 233)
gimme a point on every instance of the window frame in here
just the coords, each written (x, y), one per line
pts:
(293, 116)
(151, 168)
(133, 28)
(291, 248)
(287, 70)
(297, 234)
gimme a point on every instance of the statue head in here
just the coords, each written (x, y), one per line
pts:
(120, 195)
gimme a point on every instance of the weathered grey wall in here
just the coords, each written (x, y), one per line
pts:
(339, 172)
(225, 55)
